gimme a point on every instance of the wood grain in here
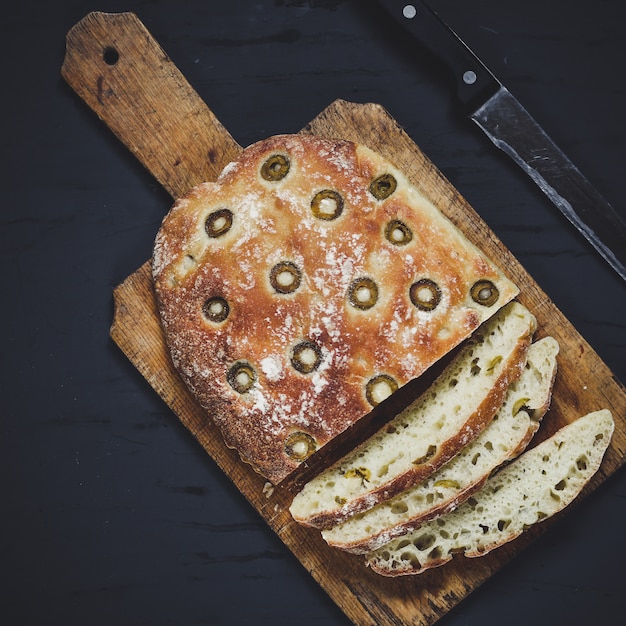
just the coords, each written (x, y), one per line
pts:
(123, 74)
(153, 110)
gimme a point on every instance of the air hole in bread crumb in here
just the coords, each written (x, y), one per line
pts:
(560, 485)
(398, 508)
(409, 557)
(435, 553)
(581, 463)
(424, 542)
(475, 369)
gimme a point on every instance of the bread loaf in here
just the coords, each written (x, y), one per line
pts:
(419, 440)
(535, 486)
(506, 436)
(305, 285)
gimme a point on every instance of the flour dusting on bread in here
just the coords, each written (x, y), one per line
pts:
(307, 284)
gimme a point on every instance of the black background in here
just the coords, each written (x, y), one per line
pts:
(111, 512)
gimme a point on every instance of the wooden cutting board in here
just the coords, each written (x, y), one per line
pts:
(122, 73)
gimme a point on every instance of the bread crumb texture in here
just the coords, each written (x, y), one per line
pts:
(304, 286)
(538, 484)
(509, 432)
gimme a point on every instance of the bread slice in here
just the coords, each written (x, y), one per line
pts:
(505, 437)
(420, 439)
(306, 284)
(540, 483)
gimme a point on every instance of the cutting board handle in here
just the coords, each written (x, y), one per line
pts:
(115, 65)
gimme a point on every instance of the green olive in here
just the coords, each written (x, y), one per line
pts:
(285, 277)
(327, 204)
(398, 233)
(430, 453)
(425, 294)
(275, 168)
(306, 357)
(218, 223)
(379, 388)
(484, 292)
(241, 376)
(300, 446)
(363, 293)
(383, 186)
(359, 472)
(216, 309)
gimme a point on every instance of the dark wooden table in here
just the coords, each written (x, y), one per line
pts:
(111, 512)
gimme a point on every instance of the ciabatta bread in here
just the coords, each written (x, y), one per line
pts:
(305, 285)
(505, 437)
(420, 439)
(538, 484)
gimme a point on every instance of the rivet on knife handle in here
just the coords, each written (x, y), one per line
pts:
(511, 128)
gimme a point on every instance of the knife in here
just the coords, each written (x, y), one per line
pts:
(512, 129)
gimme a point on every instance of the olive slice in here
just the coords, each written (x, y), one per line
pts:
(218, 223)
(383, 186)
(327, 204)
(275, 168)
(241, 376)
(300, 446)
(425, 294)
(379, 388)
(306, 357)
(398, 233)
(285, 277)
(363, 293)
(484, 292)
(216, 309)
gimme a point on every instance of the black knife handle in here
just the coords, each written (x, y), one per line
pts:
(475, 83)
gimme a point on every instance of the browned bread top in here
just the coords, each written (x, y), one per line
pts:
(305, 285)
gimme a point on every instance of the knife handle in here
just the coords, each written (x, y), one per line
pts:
(475, 83)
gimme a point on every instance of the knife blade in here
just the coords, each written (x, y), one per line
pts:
(514, 131)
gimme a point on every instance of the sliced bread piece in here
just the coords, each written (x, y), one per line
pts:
(538, 484)
(420, 439)
(505, 437)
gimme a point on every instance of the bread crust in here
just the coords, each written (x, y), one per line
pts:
(331, 241)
